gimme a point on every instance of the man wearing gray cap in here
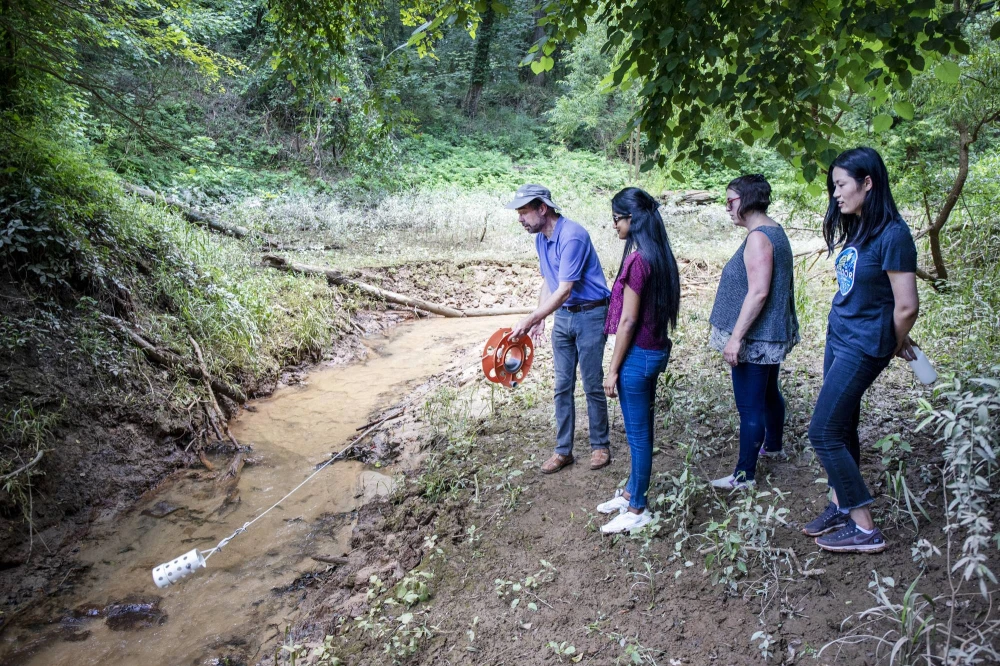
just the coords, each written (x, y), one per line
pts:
(574, 288)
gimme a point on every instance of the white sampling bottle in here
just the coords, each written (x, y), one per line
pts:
(922, 367)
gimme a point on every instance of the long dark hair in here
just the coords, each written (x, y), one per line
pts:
(878, 209)
(648, 235)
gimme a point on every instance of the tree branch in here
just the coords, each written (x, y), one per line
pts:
(25, 468)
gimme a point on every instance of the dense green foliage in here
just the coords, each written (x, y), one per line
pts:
(783, 75)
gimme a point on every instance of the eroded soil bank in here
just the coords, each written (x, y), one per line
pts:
(112, 613)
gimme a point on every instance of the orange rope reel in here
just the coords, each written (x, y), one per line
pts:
(506, 359)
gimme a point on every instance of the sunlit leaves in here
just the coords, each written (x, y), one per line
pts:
(947, 71)
(904, 110)
(881, 123)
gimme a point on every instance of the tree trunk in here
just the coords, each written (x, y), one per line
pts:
(934, 231)
(481, 63)
(8, 59)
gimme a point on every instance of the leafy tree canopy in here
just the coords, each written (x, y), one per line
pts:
(782, 71)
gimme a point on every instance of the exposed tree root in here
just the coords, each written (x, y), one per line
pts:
(169, 359)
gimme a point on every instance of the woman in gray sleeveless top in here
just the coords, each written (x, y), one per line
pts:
(754, 324)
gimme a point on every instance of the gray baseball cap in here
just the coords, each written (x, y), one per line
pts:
(528, 193)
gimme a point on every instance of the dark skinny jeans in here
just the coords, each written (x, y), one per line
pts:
(762, 413)
(833, 431)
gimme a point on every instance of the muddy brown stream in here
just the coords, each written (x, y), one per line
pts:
(115, 615)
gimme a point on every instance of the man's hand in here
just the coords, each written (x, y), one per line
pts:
(731, 352)
(522, 327)
(537, 332)
(611, 385)
(904, 350)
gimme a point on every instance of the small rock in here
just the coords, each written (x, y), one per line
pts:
(161, 509)
(133, 614)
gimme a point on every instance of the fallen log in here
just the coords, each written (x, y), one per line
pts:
(496, 312)
(190, 213)
(169, 359)
(697, 197)
(231, 477)
(338, 278)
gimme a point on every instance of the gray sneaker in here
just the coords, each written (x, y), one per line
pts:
(852, 540)
(830, 520)
(772, 455)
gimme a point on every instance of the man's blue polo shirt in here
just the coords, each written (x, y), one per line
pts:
(569, 256)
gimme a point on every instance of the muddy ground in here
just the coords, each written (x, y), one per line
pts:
(117, 436)
(507, 566)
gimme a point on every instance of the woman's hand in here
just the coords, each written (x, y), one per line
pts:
(611, 384)
(904, 350)
(731, 352)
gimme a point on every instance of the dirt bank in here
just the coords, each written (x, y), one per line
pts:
(113, 434)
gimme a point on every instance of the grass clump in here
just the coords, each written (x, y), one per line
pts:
(25, 434)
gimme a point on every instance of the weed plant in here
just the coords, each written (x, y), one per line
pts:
(25, 433)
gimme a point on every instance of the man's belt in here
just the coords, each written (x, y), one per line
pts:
(583, 307)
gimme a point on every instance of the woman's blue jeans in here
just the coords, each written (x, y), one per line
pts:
(762, 413)
(833, 432)
(637, 395)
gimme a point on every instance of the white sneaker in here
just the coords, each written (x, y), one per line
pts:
(732, 483)
(616, 504)
(626, 521)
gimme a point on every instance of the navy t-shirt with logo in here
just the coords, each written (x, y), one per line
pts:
(861, 315)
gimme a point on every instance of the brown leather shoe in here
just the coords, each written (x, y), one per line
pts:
(556, 463)
(600, 458)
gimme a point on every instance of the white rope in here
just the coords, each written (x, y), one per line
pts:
(246, 525)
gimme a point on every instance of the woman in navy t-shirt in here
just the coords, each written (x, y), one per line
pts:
(873, 311)
(644, 303)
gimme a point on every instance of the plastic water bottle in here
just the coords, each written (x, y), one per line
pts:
(922, 367)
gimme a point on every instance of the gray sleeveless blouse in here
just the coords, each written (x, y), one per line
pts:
(776, 329)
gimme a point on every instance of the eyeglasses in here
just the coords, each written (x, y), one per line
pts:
(618, 218)
(729, 202)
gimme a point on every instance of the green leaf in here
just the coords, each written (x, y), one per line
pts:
(881, 123)
(995, 31)
(903, 110)
(547, 62)
(947, 71)
(537, 67)
(677, 175)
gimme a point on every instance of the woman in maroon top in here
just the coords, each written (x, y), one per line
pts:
(644, 303)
